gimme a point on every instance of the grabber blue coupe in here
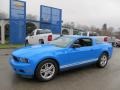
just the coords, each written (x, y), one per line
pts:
(66, 52)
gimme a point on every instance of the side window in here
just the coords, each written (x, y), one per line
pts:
(98, 41)
(42, 31)
(47, 31)
(77, 42)
(38, 32)
(85, 42)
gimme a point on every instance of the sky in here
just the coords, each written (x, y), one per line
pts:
(84, 12)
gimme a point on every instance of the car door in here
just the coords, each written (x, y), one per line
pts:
(32, 37)
(36, 37)
(40, 34)
(43, 34)
(82, 54)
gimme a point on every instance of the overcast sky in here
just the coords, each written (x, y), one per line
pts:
(85, 12)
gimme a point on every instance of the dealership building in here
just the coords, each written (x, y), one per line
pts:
(50, 18)
(5, 22)
(4, 28)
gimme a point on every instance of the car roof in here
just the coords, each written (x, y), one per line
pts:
(77, 36)
(43, 29)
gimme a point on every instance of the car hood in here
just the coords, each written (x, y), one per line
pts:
(34, 50)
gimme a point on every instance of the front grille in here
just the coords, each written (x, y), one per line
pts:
(15, 59)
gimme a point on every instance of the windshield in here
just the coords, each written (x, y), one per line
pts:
(62, 42)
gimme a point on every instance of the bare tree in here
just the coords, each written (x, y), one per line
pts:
(110, 31)
(104, 27)
(117, 33)
(95, 29)
(31, 17)
(69, 25)
(104, 31)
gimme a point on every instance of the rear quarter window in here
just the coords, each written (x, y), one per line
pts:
(98, 41)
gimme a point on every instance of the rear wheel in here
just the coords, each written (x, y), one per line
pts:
(41, 41)
(46, 70)
(115, 45)
(103, 60)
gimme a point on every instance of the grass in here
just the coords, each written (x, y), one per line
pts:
(11, 46)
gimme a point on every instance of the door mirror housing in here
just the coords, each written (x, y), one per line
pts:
(75, 45)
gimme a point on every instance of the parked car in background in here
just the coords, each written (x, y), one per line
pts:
(117, 43)
(40, 36)
(87, 33)
(44, 61)
(107, 39)
(101, 38)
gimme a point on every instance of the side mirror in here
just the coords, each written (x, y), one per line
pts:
(75, 45)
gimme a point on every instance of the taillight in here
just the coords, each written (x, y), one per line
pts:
(105, 39)
(50, 38)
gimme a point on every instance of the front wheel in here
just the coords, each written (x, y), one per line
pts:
(26, 42)
(46, 70)
(103, 60)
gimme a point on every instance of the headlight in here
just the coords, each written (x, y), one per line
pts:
(23, 60)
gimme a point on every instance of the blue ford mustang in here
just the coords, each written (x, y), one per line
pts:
(66, 52)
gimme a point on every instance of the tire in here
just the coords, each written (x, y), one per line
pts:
(103, 60)
(41, 74)
(115, 45)
(41, 41)
(26, 42)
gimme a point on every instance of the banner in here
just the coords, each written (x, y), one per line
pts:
(51, 18)
(17, 21)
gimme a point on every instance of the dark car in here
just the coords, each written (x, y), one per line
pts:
(117, 43)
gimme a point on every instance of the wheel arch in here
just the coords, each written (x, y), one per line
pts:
(45, 59)
(106, 52)
(42, 41)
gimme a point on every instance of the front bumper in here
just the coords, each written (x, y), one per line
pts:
(24, 69)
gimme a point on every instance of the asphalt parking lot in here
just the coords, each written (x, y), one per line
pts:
(87, 78)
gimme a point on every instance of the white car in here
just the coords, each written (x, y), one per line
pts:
(40, 36)
(87, 33)
(100, 38)
(107, 39)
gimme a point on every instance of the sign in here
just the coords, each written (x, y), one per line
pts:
(51, 18)
(17, 21)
